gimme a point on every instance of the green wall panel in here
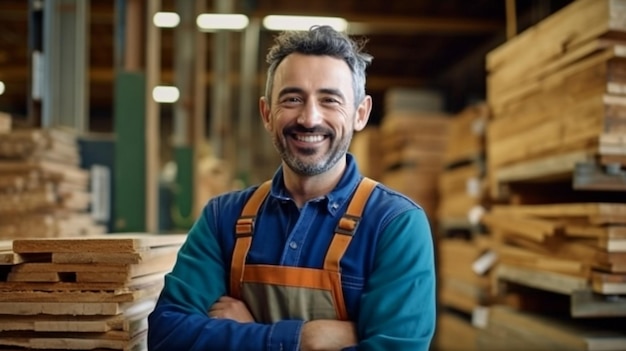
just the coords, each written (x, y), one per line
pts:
(130, 152)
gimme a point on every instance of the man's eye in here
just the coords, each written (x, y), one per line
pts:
(291, 100)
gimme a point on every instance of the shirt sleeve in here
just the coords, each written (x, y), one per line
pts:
(398, 306)
(198, 279)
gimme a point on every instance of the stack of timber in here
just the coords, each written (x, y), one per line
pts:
(464, 267)
(557, 93)
(462, 183)
(5, 122)
(575, 246)
(366, 150)
(412, 144)
(43, 190)
(464, 281)
(91, 293)
(510, 329)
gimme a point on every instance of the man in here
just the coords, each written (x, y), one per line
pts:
(319, 258)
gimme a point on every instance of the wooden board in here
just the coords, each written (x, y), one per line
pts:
(117, 287)
(607, 283)
(80, 295)
(594, 213)
(113, 340)
(114, 243)
(549, 281)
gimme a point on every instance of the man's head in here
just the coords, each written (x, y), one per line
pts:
(315, 98)
(320, 41)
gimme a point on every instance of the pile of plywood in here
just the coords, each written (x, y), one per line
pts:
(82, 293)
(412, 140)
(43, 190)
(462, 183)
(557, 93)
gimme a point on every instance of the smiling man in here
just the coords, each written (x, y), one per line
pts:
(318, 257)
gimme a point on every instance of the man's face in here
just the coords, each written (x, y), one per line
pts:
(312, 116)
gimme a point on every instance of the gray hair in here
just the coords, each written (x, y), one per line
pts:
(321, 41)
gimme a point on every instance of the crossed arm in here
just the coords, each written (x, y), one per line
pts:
(327, 335)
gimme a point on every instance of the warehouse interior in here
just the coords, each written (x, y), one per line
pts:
(502, 119)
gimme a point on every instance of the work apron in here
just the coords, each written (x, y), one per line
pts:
(273, 293)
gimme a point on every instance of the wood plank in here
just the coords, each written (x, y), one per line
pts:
(132, 324)
(118, 287)
(594, 212)
(536, 229)
(74, 341)
(523, 258)
(125, 243)
(80, 295)
(62, 308)
(549, 281)
(608, 283)
(113, 257)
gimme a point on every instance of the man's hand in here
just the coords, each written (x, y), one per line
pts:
(327, 335)
(230, 308)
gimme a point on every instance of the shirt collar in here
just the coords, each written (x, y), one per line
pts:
(337, 198)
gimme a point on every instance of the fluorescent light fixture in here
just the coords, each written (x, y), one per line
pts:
(209, 22)
(2, 87)
(166, 19)
(165, 94)
(278, 22)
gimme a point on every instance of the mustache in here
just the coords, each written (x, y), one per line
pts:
(313, 130)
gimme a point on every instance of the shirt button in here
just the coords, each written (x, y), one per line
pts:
(293, 245)
(335, 205)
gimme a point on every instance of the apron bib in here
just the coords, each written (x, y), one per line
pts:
(273, 293)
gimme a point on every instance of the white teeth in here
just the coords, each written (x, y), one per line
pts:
(310, 138)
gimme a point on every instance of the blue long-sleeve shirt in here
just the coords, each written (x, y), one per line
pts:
(388, 273)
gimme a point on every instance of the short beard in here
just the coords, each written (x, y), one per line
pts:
(311, 169)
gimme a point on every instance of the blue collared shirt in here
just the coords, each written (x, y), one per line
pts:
(388, 272)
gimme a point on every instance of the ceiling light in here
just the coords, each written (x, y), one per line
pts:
(276, 22)
(165, 94)
(221, 21)
(166, 19)
(2, 87)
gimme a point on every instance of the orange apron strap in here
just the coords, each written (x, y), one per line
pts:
(348, 224)
(243, 231)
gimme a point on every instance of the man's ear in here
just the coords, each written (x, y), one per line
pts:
(264, 108)
(363, 113)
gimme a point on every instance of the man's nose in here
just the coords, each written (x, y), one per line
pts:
(311, 115)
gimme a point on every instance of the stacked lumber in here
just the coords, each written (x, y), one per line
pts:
(454, 332)
(5, 122)
(578, 240)
(412, 143)
(464, 290)
(509, 329)
(557, 93)
(89, 293)
(464, 280)
(462, 183)
(43, 190)
(366, 151)
(568, 254)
